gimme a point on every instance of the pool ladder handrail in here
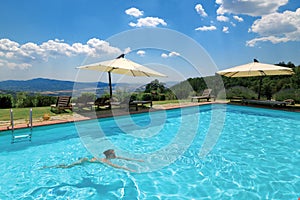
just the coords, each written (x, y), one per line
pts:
(23, 136)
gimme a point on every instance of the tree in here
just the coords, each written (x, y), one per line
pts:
(21, 99)
(6, 101)
(155, 87)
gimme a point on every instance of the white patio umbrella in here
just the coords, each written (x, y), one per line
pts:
(121, 65)
(256, 69)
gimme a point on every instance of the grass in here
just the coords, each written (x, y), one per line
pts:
(170, 102)
(23, 113)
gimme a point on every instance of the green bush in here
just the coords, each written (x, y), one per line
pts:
(134, 97)
(147, 97)
(22, 100)
(162, 97)
(239, 91)
(288, 94)
(86, 97)
(45, 100)
(6, 101)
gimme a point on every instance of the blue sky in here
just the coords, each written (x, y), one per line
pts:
(50, 39)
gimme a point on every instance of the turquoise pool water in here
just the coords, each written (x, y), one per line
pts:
(257, 156)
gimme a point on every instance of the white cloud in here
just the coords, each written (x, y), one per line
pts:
(225, 29)
(99, 47)
(237, 18)
(13, 65)
(163, 55)
(206, 28)
(23, 56)
(171, 54)
(200, 10)
(222, 18)
(273, 39)
(134, 12)
(277, 27)
(127, 50)
(249, 7)
(141, 53)
(148, 22)
(8, 45)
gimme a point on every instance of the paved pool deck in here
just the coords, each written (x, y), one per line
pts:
(87, 115)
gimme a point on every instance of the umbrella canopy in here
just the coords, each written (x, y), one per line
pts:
(256, 69)
(121, 65)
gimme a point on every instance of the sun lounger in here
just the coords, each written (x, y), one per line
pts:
(130, 103)
(205, 95)
(62, 103)
(137, 103)
(103, 102)
(265, 102)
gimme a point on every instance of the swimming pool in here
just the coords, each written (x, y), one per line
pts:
(255, 157)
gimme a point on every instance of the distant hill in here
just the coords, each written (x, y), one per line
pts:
(46, 86)
(59, 87)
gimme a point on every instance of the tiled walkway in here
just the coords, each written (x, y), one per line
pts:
(105, 113)
(5, 125)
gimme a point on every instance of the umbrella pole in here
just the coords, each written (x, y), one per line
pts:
(109, 82)
(259, 88)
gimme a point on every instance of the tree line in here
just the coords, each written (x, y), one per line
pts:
(273, 87)
(276, 87)
(25, 99)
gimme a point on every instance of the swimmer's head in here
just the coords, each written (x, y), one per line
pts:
(110, 154)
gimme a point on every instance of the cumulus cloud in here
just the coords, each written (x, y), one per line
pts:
(148, 22)
(249, 7)
(286, 28)
(225, 29)
(13, 54)
(171, 54)
(134, 12)
(222, 18)
(164, 55)
(141, 53)
(206, 28)
(237, 18)
(13, 65)
(200, 10)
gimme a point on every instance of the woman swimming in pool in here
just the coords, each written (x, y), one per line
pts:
(109, 154)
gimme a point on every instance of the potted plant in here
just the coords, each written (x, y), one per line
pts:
(46, 116)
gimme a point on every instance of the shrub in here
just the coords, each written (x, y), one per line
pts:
(147, 97)
(162, 97)
(45, 100)
(288, 94)
(239, 91)
(6, 101)
(21, 100)
(134, 97)
(86, 97)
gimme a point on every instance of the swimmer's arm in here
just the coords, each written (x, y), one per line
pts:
(129, 159)
(117, 166)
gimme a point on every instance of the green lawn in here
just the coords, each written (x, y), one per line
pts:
(23, 113)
